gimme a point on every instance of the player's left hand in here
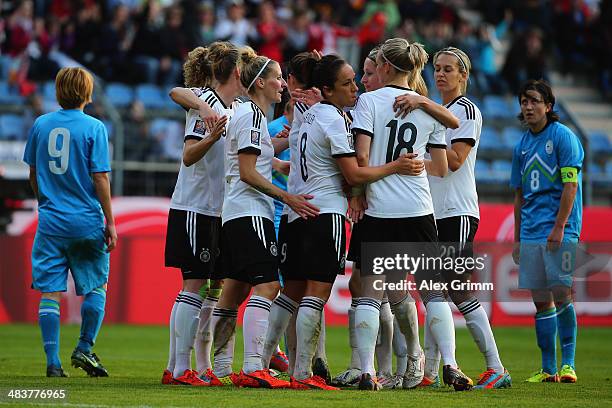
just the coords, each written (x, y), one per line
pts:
(110, 237)
(553, 242)
(283, 134)
(404, 104)
(308, 96)
(218, 128)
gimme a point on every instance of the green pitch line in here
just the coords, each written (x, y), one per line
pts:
(136, 356)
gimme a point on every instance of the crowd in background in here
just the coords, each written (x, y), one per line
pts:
(135, 41)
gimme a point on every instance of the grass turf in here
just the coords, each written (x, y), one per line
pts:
(136, 356)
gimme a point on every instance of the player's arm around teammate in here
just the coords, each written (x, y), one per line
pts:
(547, 176)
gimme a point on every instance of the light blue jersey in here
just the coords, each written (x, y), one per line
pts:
(278, 179)
(66, 147)
(537, 164)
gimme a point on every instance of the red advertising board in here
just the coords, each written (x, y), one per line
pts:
(141, 290)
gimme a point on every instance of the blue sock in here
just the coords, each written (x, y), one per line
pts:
(49, 322)
(92, 313)
(546, 333)
(568, 327)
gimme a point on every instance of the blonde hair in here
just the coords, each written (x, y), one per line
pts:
(73, 87)
(197, 68)
(251, 64)
(464, 65)
(373, 54)
(408, 59)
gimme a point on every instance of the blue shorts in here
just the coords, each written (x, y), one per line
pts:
(86, 258)
(543, 269)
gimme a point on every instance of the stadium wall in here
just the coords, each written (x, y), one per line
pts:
(141, 290)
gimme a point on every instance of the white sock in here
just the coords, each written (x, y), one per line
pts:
(185, 326)
(355, 362)
(172, 346)
(203, 340)
(400, 349)
(320, 351)
(255, 327)
(224, 335)
(291, 342)
(440, 322)
(281, 311)
(384, 355)
(407, 317)
(478, 324)
(366, 329)
(308, 329)
(432, 354)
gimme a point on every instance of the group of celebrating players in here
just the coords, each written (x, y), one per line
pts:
(391, 145)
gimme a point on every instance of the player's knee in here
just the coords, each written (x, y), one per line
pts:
(52, 295)
(269, 290)
(193, 285)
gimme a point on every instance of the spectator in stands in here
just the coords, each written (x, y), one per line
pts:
(114, 44)
(174, 44)
(81, 33)
(205, 32)
(145, 48)
(139, 146)
(526, 59)
(234, 27)
(33, 109)
(270, 33)
(297, 34)
(45, 39)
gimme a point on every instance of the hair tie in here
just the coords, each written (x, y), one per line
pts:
(258, 74)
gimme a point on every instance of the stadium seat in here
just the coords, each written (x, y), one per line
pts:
(48, 91)
(489, 139)
(119, 95)
(12, 128)
(497, 107)
(502, 168)
(9, 94)
(599, 142)
(511, 136)
(151, 96)
(482, 172)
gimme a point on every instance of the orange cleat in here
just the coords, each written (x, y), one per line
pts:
(311, 383)
(190, 377)
(167, 378)
(212, 380)
(261, 379)
(279, 362)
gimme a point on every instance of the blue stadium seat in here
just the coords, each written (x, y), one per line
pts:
(109, 128)
(9, 94)
(511, 136)
(119, 95)
(482, 172)
(151, 96)
(489, 139)
(12, 128)
(169, 103)
(158, 126)
(599, 142)
(608, 168)
(502, 166)
(497, 107)
(48, 91)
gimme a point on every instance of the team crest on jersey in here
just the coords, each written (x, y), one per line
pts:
(255, 137)
(273, 249)
(549, 146)
(205, 255)
(199, 127)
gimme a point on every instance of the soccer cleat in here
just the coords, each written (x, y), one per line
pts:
(89, 362)
(53, 371)
(279, 362)
(347, 378)
(390, 381)
(189, 377)
(542, 376)
(311, 383)
(167, 378)
(568, 374)
(456, 378)
(212, 380)
(367, 383)
(261, 379)
(321, 369)
(428, 382)
(415, 372)
(491, 380)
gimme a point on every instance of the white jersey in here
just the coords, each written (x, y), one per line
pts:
(396, 196)
(199, 187)
(247, 132)
(325, 135)
(455, 194)
(298, 116)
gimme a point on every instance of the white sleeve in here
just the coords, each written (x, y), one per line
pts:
(338, 132)
(437, 138)
(363, 117)
(466, 132)
(250, 132)
(194, 126)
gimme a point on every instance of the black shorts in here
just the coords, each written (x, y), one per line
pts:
(192, 244)
(355, 244)
(283, 236)
(456, 236)
(250, 250)
(317, 248)
(410, 229)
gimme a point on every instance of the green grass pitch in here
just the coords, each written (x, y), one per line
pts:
(136, 355)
